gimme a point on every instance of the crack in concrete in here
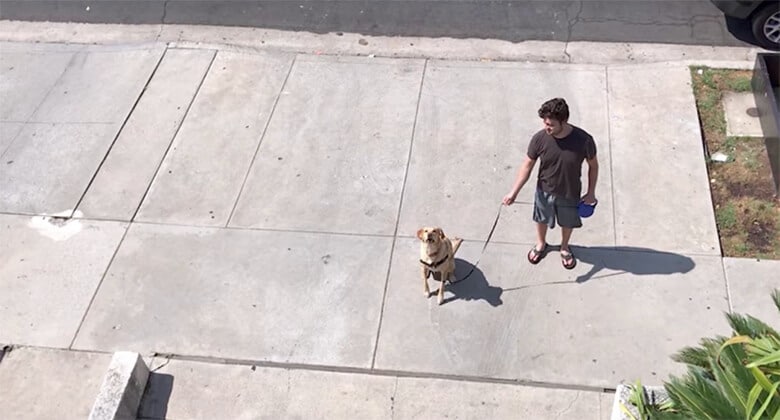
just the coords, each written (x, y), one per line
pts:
(7, 349)
(289, 386)
(693, 20)
(164, 364)
(165, 12)
(162, 19)
(571, 404)
(651, 23)
(392, 399)
(570, 30)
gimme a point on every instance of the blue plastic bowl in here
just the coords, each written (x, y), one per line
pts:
(586, 210)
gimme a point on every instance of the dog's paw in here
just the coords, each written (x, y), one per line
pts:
(427, 294)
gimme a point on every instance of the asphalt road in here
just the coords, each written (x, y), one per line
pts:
(678, 22)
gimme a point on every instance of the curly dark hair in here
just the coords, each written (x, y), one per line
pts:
(556, 109)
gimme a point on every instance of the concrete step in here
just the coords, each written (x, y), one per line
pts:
(38, 383)
(180, 389)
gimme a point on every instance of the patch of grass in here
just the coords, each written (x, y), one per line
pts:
(739, 84)
(731, 143)
(726, 217)
(742, 248)
(707, 78)
(746, 211)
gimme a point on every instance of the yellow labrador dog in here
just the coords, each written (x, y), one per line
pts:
(437, 256)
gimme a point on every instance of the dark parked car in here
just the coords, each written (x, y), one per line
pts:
(763, 15)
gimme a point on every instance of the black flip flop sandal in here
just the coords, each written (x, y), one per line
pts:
(568, 258)
(538, 254)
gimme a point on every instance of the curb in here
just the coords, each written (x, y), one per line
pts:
(352, 44)
(122, 388)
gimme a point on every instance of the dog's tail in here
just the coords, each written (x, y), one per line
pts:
(455, 244)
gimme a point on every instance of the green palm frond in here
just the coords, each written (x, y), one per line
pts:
(735, 381)
(694, 356)
(699, 397)
(748, 325)
(700, 356)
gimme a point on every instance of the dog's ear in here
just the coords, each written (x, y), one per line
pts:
(419, 234)
(440, 233)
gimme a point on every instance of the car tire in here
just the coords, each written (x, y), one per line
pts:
(767, 16)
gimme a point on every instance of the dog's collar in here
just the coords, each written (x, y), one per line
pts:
(434, 265)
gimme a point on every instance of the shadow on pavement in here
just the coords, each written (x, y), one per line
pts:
(637, 261)
(740, 29)
(475, 287)
(154, 404)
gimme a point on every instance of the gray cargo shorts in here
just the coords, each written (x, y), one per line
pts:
(549, 208)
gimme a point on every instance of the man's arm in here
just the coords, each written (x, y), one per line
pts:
(593, 176)
(522, 177)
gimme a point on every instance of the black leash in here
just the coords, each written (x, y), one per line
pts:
(487, 241)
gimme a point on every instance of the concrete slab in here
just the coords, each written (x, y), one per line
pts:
(50, 384)
(335, 153)
(662, 194)
(48, 275)
(51, 166)
(473, 129)
(190, 390)
(26, 78)
(543, 323)
(606, 401)
(201, 177)
(99, 86)
(741, 115)
(124, 177)
(751, 283)
(277, 296)
(420, 398)
(8, 132)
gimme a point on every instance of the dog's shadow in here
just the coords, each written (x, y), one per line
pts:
(473, 287)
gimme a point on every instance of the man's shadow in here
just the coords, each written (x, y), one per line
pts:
(473, 287)
(626, 259)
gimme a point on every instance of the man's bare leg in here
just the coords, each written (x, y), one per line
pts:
(541, 236)
(565, 236)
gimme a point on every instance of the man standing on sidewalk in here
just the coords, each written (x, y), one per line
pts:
(562, 148)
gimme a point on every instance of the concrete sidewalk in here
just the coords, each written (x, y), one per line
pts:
(259, 207)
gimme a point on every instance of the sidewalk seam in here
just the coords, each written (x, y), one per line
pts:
(119, 132)
(392, 399)
(173, 139)
(262, 137)
(50, 348)
(398, 215)
(611, 161)
(726, 281)
(382, 372)
(97, 288)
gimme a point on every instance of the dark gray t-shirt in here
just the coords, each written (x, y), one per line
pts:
(561, 161)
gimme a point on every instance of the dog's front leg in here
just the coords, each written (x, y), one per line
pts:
(444, 276)
(425, 281)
